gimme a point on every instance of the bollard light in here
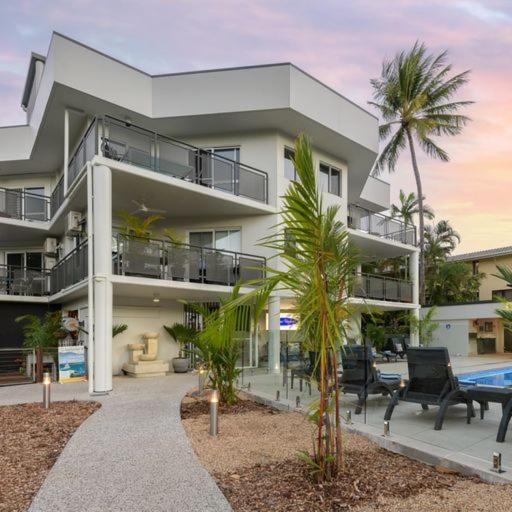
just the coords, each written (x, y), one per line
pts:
(402, 383)
(278, 395)
(297, 401)
(214, 413)
(248, 386)
(496, 463)
(47, 381)
(202, 378)
(349, 416)
(386, 428)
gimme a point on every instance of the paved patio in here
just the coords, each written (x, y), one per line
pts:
(132, 454)
(471, 444)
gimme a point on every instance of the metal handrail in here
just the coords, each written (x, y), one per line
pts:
(19, 280)
(57, 197)
(364, 288)
(20, 212)
(164, 260)
(73, 172)
(78, 272)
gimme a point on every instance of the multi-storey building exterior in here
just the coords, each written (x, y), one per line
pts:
(474, 328)
(210, 152)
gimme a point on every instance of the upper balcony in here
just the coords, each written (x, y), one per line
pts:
(23, 205)
(380, 225)
(130, 144)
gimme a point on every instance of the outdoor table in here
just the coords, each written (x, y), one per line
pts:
(485, 394)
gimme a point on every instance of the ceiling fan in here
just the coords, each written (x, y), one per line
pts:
(142, 208)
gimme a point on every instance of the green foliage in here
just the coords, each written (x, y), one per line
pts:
(451, 282)
(136, 225)
(505, 312)
(182, 334)
(441, 240)
(425, 327)
(408, 208)
(376, 334)
(118, 329)
(42, 332)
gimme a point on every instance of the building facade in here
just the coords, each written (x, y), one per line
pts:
(475, 328)
(209, 153)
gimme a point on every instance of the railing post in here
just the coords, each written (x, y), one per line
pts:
(203, 268)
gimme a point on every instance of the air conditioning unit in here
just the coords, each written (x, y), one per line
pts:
(50, 246)
(73, 225)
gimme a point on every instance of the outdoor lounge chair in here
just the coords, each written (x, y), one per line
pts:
(431, 382)
(361, 377)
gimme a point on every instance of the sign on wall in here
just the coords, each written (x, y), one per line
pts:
(71, 363)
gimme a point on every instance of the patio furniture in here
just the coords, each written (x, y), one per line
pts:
(431, 382)
(361, 377)
(485, 394)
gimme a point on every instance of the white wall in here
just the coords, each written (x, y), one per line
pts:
(141, 320)
(453, 334)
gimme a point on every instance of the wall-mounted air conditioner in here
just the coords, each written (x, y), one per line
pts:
(50, 246)
(73, 225)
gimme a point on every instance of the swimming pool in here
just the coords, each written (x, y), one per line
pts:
(501, 377)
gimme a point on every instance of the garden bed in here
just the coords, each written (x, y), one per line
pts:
(254, 461)
(31, 439)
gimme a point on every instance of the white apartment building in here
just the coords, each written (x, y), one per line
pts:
(210, 151)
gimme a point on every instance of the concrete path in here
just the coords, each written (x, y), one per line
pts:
(132, 454)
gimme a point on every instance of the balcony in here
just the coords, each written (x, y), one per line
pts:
(380, 225)
(370, 286)
(70, 270)
(159, 259)
(24, 281)
(22, 205)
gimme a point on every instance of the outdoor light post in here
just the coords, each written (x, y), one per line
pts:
(202, 377)
(46, 389)
(214, 413)
(386, 428)
(349, 416)
(496, 463)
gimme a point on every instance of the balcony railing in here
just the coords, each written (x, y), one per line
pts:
(87, 148)
(24, 281)
(159, 259)
(134, 145)
(370, 286)
(70, 270)
(23, 205)
(380, 225)
(57, 197)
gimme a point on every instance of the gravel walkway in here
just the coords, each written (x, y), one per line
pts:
(132, 454)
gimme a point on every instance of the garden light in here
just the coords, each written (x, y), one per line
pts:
(46, 389)
(278, 395)
(496, 463)
(402, 383)
(202, 378)
(214, 413)
(297, 401)
(349, 416)
(386, 428)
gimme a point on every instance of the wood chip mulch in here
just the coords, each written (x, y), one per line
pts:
(192, 407)
(369, 476)
(31, 439)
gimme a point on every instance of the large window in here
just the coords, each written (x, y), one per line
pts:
(222, 239)
(329, 179)
(289, 169)
(35, 205)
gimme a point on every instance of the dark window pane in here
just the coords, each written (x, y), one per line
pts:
(335, 182)
(289, 169)
(323, 178)
(34, 260)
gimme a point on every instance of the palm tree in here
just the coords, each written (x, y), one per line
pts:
(441, 240)
(505, 312)
(408, 209)
(414, 97)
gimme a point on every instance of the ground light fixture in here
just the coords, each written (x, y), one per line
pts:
(47, 382)
(201, 373)
(386, 429)
(349, 416)
(278, 395)
(297, 402)
(214, 413)
(496, 463)
(156, 298)
(402, 383)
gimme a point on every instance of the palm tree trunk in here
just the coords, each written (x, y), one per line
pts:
(421, 217)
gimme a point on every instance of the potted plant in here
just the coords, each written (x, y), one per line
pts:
(183, 335)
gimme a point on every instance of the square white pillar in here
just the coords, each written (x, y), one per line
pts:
(274, 335)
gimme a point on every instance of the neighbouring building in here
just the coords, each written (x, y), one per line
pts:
(474, 328)
(209, 151)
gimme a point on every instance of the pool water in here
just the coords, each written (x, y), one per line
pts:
(501, 377)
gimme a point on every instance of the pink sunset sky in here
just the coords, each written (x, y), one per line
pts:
(342, 43)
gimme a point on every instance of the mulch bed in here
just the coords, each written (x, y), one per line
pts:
(370, 476)
(31, 439)
(192, 407)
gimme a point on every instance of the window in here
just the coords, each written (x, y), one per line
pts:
(229, 153)
(222, 239)
(475, 268)
(222, 172)
(329, 179)
(289, 169)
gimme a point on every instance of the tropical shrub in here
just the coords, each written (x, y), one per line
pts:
(42, 332)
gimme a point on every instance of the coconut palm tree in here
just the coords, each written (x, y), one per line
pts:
(440, 241)
(408, 209)
(414, 96)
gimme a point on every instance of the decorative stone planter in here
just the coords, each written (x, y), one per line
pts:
(180, 364)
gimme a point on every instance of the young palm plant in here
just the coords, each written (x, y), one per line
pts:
(414, 96)
(408, 209)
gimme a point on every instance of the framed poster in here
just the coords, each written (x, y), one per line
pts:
(71, 364)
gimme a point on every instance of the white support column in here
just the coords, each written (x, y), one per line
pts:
(66, 149)
(102, 284)
(274, 334)
(414, 276)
